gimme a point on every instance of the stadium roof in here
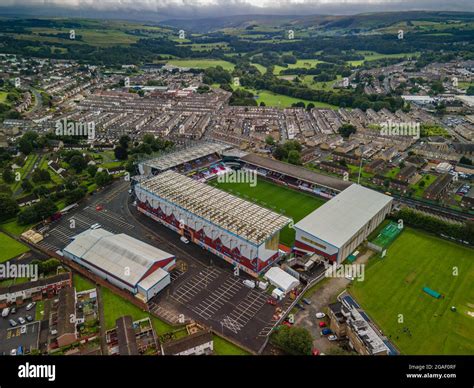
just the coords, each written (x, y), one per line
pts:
(120, 255)
(339, 219)
(297, 172)
(243, 218)
(177, 158)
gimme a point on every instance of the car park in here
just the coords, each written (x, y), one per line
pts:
(320, 315)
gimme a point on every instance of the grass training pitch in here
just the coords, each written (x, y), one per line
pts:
(393, 286)
(292, 203)
(10, 248)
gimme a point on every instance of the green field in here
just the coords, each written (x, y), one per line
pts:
(202, 63)
(292, 203)
(393, 286)
(10, 248)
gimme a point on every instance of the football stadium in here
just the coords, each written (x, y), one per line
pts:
(243, 224)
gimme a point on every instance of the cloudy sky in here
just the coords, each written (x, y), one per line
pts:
(161, 9)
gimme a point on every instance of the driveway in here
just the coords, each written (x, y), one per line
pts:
(325, 294)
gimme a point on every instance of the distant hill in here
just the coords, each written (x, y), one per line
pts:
(367, 21)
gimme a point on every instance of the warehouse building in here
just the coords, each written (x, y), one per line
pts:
(124, 261)
(238, 231)
(335, 229)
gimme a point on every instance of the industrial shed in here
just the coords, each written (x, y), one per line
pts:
(122, 260)
(336, 229)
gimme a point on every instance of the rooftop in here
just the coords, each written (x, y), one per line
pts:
(297, 172)
(343, 216)
(243, 218)
(174, 159)
(120, 255)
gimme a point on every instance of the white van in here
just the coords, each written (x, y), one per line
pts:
(249, 283)
(5, 312)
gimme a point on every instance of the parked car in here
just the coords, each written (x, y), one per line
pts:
(21, 320)
(271, 301)
(315, 352)
(13, 310)
(30, 306)
(326, 331)
(332, 337)
(300, 306)
(12, 323)
(29, 318)
(286, 323)
(320, 315)
(5, 312)
(249, 283)
(322, 324)
(306, 301)
(13, 352)
(184, 240)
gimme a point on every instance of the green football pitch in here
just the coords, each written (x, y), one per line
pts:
(417, 323)
(293, 204)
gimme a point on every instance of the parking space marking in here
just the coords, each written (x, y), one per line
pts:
(218, 298)
(164, 313)
(109, 216)
(245, 311)
(175, 274)
(198, 282)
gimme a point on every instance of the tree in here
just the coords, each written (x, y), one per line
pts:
(269, 140)
(92, 170)
(78, 163)
(26, 185)
(124, 140)
(294, 157)
(37, 212)
(8, 207)
(293, 340)
(120, 153)
(40, 176)
(102, 178)
(346, 130)
(8, 175)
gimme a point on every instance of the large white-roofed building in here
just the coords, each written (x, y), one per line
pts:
(281, 279)
(335, 229)
(122, 260)
(241, 232)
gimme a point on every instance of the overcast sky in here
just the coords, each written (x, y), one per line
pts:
(160, 9)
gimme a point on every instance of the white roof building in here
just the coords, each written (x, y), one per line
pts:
(118, 255)
(335, 229)
(341, 217)
(281, 279)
